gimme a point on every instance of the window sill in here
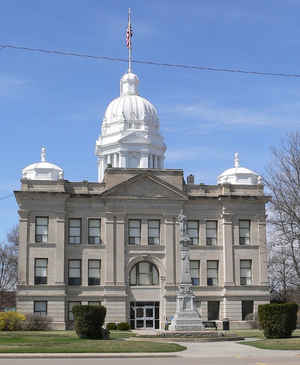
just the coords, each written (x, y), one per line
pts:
(42, 245)
(246, 247)
(205, 247)
(146, 247)
(145, 286)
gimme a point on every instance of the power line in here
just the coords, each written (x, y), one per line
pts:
(115, 59)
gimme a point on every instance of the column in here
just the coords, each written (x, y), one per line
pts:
(170, 242)
(114, 163)
(227, 248)
(162, 162)
(151, 161)
(60, 250)
(144, 232)
(100, 168)
(144, 160)
(120, 251)
(202, 232)
(23, 270)
(109, 159)
(110, 249)
(263, 258)
(123, 159)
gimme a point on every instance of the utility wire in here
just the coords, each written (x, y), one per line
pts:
(202, 68)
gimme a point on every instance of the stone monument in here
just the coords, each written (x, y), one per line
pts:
(186, 317)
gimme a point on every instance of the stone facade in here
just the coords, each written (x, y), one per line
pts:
(138, 276)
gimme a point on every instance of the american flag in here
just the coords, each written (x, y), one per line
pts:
(128, 36)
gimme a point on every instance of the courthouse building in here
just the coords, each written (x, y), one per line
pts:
(115, 241)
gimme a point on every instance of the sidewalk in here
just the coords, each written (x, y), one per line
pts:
(91, 355)
(199, 350)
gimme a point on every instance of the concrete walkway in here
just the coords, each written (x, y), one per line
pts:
(200, 350)
(233, 350)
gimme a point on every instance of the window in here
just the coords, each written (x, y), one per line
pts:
(247, 310)
(212, 272)
(40, 271)
(134, 232)
(94, 231)
(193, 231)
(41, 229)
(211, 233)
(195, 272)
(74, 272)
(244, 232)
(153, 232)
(213, 310)
(94, 272)
(40, 308)
(94, 302)
(74, 231)
(144, 273)
(245, 272)
(70, 313)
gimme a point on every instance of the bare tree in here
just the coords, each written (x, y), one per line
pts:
(282, 278)
(283, 180)
(8, 260)
(13, 236)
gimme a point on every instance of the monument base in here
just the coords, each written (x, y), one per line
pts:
(186, 317)
(186, 321)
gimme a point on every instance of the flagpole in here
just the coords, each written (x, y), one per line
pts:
(129, 48)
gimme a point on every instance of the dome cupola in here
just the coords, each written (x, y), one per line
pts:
(129, 84)
(43, 170)
(130, 136)
(239, 175)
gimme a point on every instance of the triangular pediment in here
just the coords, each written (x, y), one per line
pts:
(145, 186)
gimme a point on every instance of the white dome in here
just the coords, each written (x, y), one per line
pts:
(130, 136)
(129, 111)
(43, 170)
(133, 109)
(239, 175)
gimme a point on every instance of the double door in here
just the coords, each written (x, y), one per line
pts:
(144, 315)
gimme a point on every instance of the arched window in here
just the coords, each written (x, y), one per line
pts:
(144, 273)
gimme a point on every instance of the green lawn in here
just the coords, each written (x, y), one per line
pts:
(292, 343)
(68, 342)
(248, 333)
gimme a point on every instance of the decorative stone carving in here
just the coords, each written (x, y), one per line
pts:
(186, 317)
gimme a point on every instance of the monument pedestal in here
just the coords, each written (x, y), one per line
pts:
(186, 317)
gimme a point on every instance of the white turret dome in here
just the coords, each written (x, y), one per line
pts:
(239, 175)
(130, 136)
(129, 110)
(43, 170)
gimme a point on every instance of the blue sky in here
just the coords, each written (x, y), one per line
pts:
(205, 116)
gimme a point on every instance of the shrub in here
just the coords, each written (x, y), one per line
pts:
(89, 320)
(123, 326)
(11, 321)
(111, 326)
(278, 320)
(35, 322)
